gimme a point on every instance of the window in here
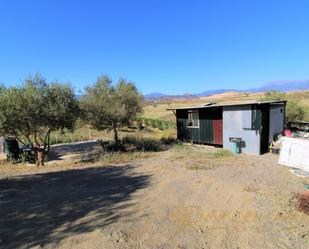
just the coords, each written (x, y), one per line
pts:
(256, 119)
(193, 119)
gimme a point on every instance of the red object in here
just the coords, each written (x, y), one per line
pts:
(288, 133)
(218, 131)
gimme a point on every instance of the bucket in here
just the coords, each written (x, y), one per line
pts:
(235, 148)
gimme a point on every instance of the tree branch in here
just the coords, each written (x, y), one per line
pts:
(26, 135)
(16, 136)
(47, 139)
(35, 139)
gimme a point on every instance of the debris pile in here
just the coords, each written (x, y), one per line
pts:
(303, 201)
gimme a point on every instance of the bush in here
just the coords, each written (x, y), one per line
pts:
(159, 124)
(294, 111)
(167, 140)
(142, 144)
(149, 144)
(273, 96)
(156, 123)
(113, 146)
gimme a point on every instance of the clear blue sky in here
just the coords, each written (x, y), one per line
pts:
(163, 46)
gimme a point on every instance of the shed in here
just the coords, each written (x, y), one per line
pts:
(253, 124)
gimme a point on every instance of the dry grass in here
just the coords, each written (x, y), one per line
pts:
(221, 153)
(201, 157)
(120, 157)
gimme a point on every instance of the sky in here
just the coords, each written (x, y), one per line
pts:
(165, 46)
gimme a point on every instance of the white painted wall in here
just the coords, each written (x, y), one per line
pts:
(234, 120)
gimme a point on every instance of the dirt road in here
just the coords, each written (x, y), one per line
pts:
(177, 199)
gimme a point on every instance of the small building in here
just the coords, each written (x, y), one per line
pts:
(252, 125)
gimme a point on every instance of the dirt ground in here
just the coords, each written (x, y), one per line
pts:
(186, 197)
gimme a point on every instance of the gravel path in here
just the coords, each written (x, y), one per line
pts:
(177, 199)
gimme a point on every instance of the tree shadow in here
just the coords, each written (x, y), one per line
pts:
(41, 208)
(90, 148)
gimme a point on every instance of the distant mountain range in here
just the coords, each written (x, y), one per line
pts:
(283, 86)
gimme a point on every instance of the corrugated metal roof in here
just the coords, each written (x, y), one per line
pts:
(212, 105)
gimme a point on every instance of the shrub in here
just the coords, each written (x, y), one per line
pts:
(273, 96)
(294, 110)
(147, 122)
(149, 144)
(142, 144)
(113, 146)
(155, 123)
(168, 140)
(159, 124)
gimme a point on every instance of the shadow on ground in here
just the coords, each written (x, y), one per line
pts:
(86, 149)
(41, 208)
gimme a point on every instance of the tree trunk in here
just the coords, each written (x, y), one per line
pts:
(47, 141)
(40, 157)
(116, 134)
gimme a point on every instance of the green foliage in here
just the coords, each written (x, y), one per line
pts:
(273, 96)
(109, 107)
(143, 144)
(306, 114)
(115, 146)
(67, 137)
(168, 140)
(294, 110)
(139, 143)
(156, 123)
(35, 109)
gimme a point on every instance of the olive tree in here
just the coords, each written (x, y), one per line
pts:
(32, 111)
(294, 110)
(108, 107)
